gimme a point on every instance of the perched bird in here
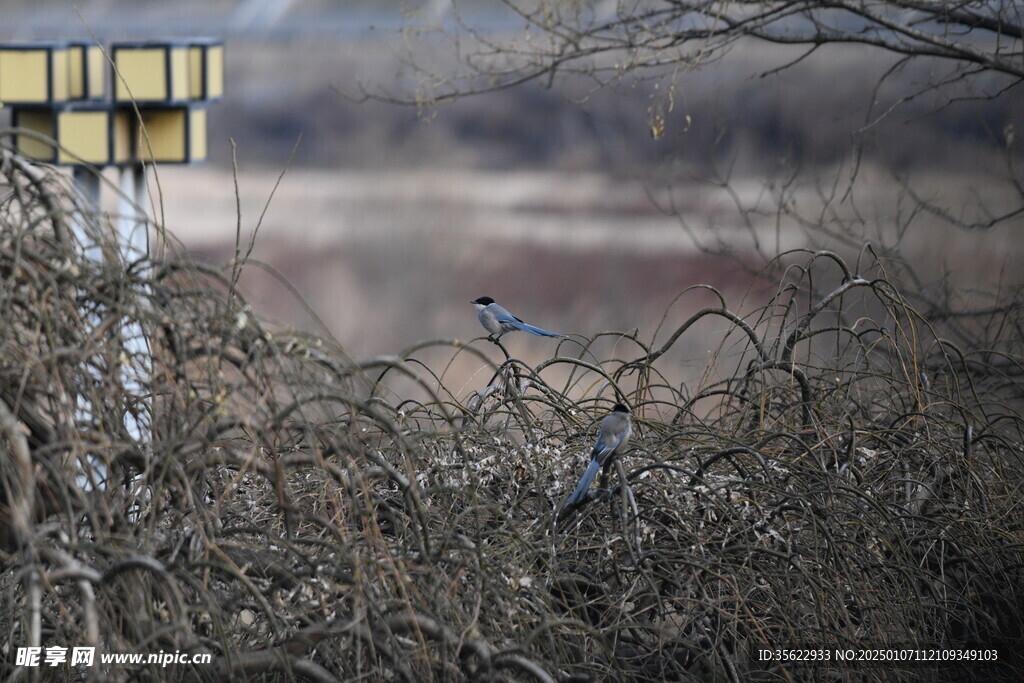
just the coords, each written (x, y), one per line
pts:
(497, 321)
(611, 441)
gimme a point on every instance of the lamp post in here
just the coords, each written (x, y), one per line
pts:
(66, 114)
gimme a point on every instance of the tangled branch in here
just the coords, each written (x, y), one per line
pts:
(844, 474)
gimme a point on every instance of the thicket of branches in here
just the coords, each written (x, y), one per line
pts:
(846, 476)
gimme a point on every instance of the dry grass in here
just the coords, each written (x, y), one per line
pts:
(844, 477)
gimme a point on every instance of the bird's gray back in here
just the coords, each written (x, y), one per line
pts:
(614, 425)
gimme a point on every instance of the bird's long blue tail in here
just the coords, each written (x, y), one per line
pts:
(534, 330)
(584, 485)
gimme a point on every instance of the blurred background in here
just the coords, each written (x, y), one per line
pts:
(581, 209)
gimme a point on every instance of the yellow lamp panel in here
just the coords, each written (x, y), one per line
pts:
(24, 76)
(197, 134)
(195, 72)
(61, 76)
(179, 73)
(96, 65)
(41, 121)
(206, 71)
(215, 72)
(76, 72)
(86, 71)
(141, 74)
(122, 135)
(164, 136)
(84, 136)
